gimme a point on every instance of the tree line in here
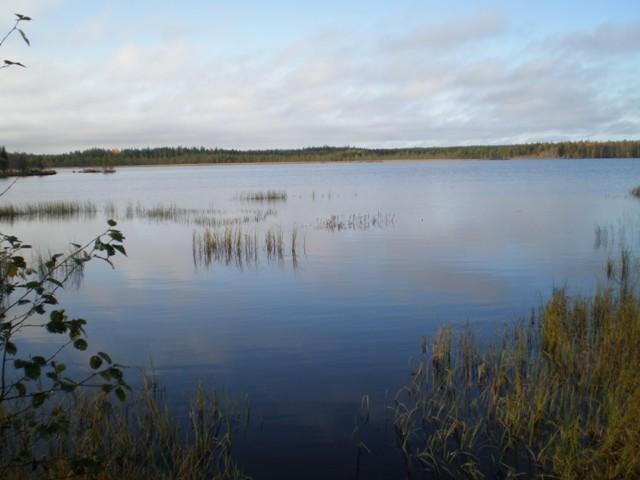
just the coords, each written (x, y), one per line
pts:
(182, 155)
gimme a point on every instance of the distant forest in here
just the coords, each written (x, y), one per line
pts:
(182, 155)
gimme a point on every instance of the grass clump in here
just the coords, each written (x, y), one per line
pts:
(264, 196)
(47, 210)
(225, 246)
(138, 440)
(557, 397)
(357, 221)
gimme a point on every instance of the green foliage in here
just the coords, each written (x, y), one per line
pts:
(139, 439)
(30, 385)
(636, 192)
(558, 397)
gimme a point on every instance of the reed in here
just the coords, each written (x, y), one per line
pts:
(264, 196)
(225, 246)
(557, 396)
(294, 239)
(357, 221)
(47, 210)
(141, 439)
(206, 217)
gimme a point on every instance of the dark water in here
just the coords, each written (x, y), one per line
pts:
(460, 242)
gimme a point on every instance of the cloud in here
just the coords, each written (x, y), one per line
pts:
(330, 87)
(450, 34)
(607, 39)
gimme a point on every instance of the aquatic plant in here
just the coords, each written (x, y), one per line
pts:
(226, 246)
(138, 440)
(264, 196)
(206, 217)
(47, 210)
(356, 221)
(557, 396)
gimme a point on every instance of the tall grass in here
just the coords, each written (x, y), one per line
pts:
(264, 196)
(227, 246)
(234, 245)
(47, 210)
(357, 221)
(139, 440)
(555, 397)
(172, 213)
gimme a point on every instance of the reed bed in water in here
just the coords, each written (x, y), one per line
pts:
(264, 196)
(226, 246)
(236, 246)
(556, 397)
(47, 210)
(207, 217)
(357, 221)
(141, 439)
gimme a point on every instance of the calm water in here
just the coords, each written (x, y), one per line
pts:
(462, 242)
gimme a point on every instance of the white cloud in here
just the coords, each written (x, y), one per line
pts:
(332, 87)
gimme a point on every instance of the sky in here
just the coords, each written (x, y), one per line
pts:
(289, 74)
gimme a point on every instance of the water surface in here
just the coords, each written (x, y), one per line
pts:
(465, 242)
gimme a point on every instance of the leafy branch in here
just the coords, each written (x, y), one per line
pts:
(19, 19)
(26, 293)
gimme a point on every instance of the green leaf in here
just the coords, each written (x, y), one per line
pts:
(56, 282)
(67, 387)
(18, 364)
(22, 390)
(80, 344)
(121, 394)
(12, 270)
(19, 262)
(95, 362)
(32, 371)
(112, 222)
(10, 348)
(105, 357)
(39, 360)
(121, 249)
(38, 399)
(116, 235)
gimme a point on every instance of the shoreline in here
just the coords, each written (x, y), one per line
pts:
(305, 162)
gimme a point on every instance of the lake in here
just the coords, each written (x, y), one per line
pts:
(385, 254)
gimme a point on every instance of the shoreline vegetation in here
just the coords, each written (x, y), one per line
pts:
(31, 172)
(96, 170)
(106, 159)
(557, 396)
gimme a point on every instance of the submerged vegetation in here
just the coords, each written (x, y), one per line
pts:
(557, 397)
(184, 155)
